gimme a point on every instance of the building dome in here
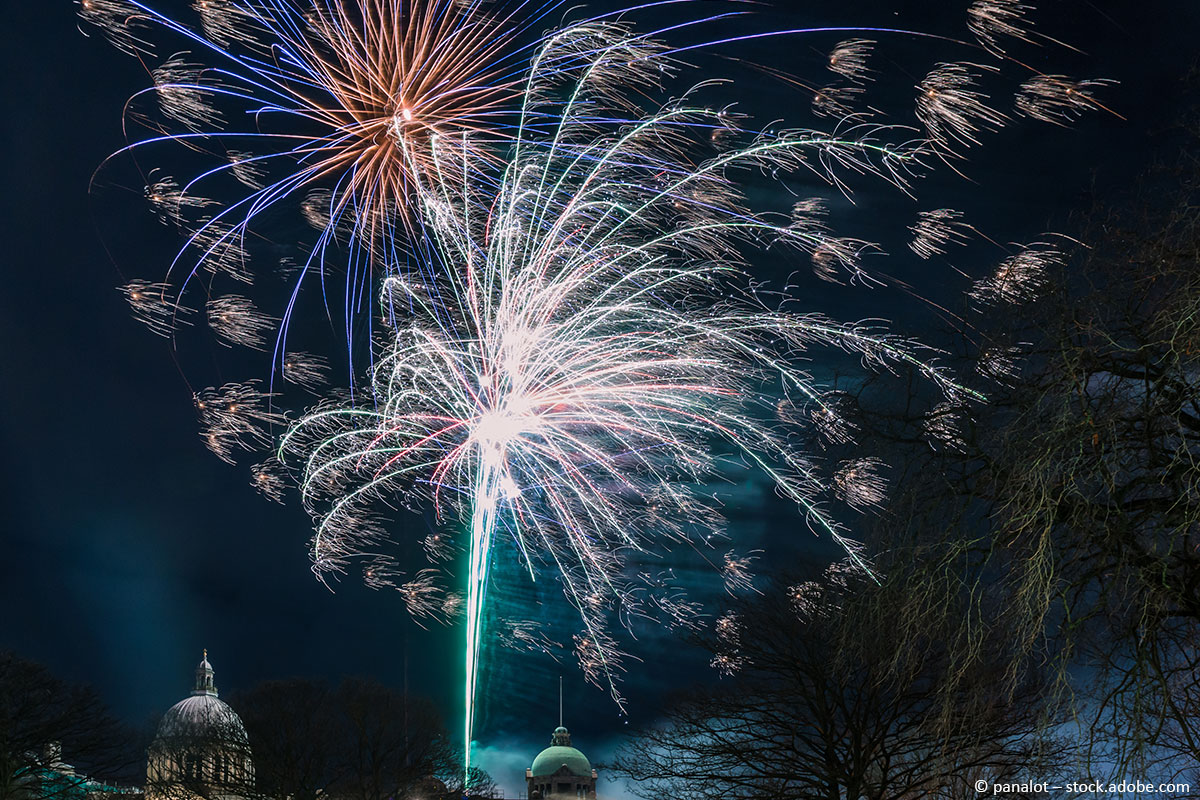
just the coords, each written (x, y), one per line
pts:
(202, 717)
(560, 771)
(560, 754)
(201, 749)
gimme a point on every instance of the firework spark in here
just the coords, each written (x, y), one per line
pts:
(813, 600)
(728, 661)
(235, 320)
(270, 480)
(120, 21)
(154, 306)
(235, 417)
(1002, 364)
(953, 109)
(993, 20)
(426, 598)
(304, 369)
(936, 230)
(676, 611)
(528, 636)
(1059, 99)
(944, 427)
(1019, 278)
(849, 59)
(859, 484)
(176, 82)
(836, 101)
(736, 573)
(439, 547)
(170, 204)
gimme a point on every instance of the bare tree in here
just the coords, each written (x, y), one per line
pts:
(1062, 527)
(476, 784)
(392, 740)
(1095, 483)
(42, 721)
(359, 740)
(295, 737)
(821, 708)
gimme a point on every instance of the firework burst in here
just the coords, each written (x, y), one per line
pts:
(584, 356)
(361, 101)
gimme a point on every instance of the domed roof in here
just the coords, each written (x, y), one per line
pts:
(560, 754)
(202, 717)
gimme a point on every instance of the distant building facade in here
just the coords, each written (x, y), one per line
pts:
(560, 771)
(51, 778)
(201, 749)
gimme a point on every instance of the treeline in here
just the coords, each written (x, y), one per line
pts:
(357, 740)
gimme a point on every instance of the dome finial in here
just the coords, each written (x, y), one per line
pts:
(561, 737)
(204, 677)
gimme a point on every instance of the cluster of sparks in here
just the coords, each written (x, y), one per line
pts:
(584, 355)
(359, 96)
(577, 351)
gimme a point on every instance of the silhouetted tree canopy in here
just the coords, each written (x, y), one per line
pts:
(359, 740)
(828, 703)
(45, 721)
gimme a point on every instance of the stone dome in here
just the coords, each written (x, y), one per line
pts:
(558, 755)
(201, 750)
(202, 717)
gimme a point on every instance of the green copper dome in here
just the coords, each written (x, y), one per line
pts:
(560, 754)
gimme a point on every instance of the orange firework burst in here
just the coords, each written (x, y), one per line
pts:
(411, 82)
(366, 105)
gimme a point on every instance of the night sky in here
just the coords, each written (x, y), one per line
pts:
(127, 547)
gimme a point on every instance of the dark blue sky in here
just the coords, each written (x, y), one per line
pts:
(127, 547)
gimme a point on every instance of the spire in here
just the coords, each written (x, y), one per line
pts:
(204, 677)
(561, 736)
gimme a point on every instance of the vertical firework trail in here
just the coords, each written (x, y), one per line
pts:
(483, 530)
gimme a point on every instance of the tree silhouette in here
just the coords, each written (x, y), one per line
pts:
(43, 720)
